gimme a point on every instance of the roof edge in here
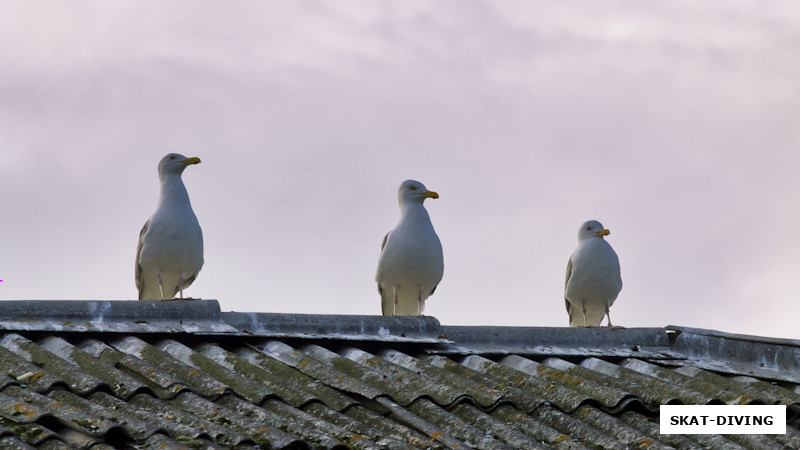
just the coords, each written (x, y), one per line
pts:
(204, 317)
(762, 357)
(116, 316)
(650, 343)
(338, 326)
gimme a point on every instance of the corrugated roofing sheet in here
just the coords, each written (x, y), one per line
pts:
(292, 381)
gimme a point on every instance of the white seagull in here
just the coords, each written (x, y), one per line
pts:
(411, 262)
(170, 251)
(593, 277)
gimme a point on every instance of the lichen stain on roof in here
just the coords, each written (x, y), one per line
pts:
(185, 375)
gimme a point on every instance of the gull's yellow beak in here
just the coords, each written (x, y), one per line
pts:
(430, 194)
(192, 160)
(603, 232)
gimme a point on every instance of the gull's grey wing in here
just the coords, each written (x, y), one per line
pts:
(139, 280)
(566, 282)
(383, 244)
(385, 238)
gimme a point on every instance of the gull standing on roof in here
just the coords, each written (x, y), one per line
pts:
(170, 251)
(593, 278)
(411, 262)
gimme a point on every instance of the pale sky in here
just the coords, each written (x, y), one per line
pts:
(674, 123)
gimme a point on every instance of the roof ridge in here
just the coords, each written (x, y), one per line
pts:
(761, 357)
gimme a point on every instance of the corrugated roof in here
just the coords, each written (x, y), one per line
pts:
(183, 374)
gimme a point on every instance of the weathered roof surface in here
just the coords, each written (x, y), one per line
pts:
(183, 374)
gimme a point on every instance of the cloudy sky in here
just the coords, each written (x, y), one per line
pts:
(674, 123)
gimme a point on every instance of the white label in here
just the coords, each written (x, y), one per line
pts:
(723, 419)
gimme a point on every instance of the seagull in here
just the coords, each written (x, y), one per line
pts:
(411, 262)
(170, 250)
(593, 278)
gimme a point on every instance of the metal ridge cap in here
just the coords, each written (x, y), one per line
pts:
(423, 329)
(573, 336)
(762, 357)
(741, 337)
(596, 341)
(194, 316)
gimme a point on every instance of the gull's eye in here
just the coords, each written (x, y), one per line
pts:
(172, 157)
(413, 188)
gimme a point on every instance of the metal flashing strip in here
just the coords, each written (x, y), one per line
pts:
(117, 316)
(203, 317)
(647, 343)
(756, 356)
(423, 330)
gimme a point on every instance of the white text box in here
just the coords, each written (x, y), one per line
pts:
(723, 419)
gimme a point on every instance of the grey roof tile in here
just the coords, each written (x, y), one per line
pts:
(710, 390)
(317, 370)
(618, 429)
(198, 381)
(19, 411)
(96, 419)
(190, 412)
(246, 388)
(647, 388)
(754, 441)
(122, 384)
(402, 385)
(650, 428)
(526, 375)
(158, 422)
(595, 386)
(575, 428)
(791, 439)
(406, 436)
(55, 445)
(13, 443)
(471, 436)
(748, 390)
(292, 386)
(410, 419)
(495, 429)
(32, 433)
(158, 381)
(362, 435)
(78, 381)
(308, 426)
(268, 426)
(536, 429)
(25, 372)
(486, 391)
(160, 441)
(69, 408)
(369, 380)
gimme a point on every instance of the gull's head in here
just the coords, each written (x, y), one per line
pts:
(411, 191)
(174, 164)
(592, 229)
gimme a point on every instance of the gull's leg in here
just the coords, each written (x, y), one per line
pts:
(160, 283)
(585, 323)
(394, 302)
(180, 285)
(419, 302)
(608, 314)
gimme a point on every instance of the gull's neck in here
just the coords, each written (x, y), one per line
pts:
(413, 211)
(173, 192)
